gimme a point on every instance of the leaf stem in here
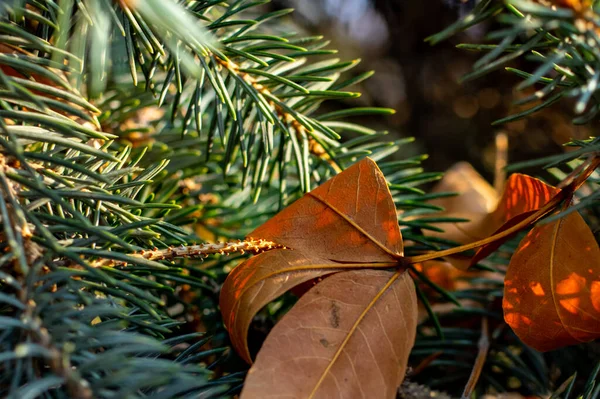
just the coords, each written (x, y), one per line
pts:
(580, 180)
(483, 346)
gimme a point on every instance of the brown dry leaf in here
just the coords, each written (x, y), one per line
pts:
(348, 337)
(46, 87)
(442, 273)
(351, 217)
(10, 71)
(552, 285)
(479, 202)
(522, 196)
(258, 281)
(486, 250)
(522, 193)
(476, 200)
(349, 222)
(576, 5)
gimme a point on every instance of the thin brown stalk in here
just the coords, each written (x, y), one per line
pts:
(425, 363)
(501, 161)
(483, 348)
(200, 251)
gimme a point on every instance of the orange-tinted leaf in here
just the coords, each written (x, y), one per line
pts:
(441, 273)
(351, 217)
(60, 81)
(552, 286)
(522, 196)
(577, 5)
(348, 337)
(475, 193)
(523, 193)
(10, 71)
(303, 288)
(477, 199)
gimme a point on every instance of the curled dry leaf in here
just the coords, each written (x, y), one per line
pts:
(576, 5)
(552, 286)
(54, 88)
(348, 337)
(441, 273)
(349, 222)
(478, 202)
(487, 212)
(523, 195)
(475, 201)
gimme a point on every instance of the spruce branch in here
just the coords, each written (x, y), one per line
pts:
(314, 147)
(556, 35)
(58, 361)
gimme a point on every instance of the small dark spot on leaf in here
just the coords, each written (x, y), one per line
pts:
(324, 342)
(334, 318)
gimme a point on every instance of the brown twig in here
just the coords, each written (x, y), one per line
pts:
(549, 207)
(200, 251)
(483, 348)
(425, 363)
(501, 161)
(580, 180)
(575, 172)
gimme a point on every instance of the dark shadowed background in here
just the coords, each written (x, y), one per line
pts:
(450, 120)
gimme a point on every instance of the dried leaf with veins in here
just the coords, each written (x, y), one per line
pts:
(478, 202)
(52, 92)
(523, 195)
(349, 218)
(348, 337)
(552, 285)
(442, 273)
(349, 222)
(258, 281)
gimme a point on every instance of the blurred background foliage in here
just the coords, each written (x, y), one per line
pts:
(452, 120)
